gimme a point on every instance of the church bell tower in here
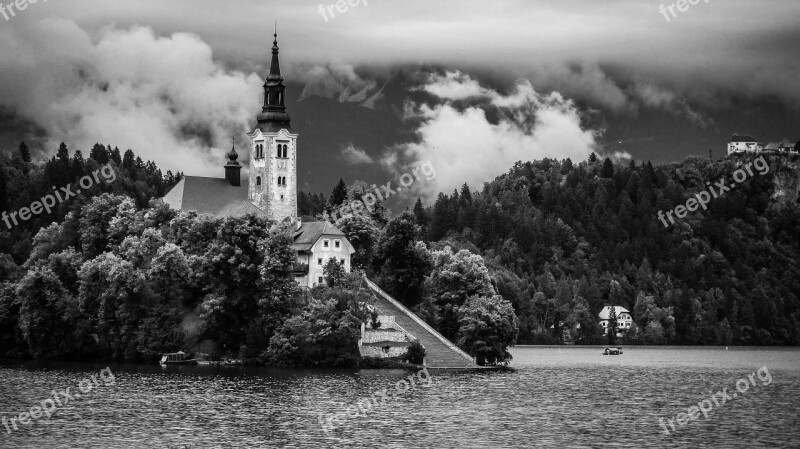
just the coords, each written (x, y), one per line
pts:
(273, 150)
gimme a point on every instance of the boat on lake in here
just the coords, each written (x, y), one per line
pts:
(612, 351)
(177, 358)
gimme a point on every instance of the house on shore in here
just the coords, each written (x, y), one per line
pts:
(624, 319)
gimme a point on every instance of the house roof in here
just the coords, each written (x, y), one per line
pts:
(309, 232)
(603, 315)
(738, 138)
(772, 146)
(786, 144)
(215, 196)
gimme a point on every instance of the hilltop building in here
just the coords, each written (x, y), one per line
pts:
(742, 144)
(270, 189)
(747, 144)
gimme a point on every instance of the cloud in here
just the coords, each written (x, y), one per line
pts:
(163, 97)
(339, 82)
(355, 156)
(586, 82)
(621, 155)
(463, 144)
(655, 97)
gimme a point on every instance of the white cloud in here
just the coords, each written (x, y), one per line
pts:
(621, 155)
(163, 97)
(465, 146)
(355, 156)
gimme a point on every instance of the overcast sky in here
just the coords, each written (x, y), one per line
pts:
(189, 71)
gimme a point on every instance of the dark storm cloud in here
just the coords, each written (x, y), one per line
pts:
(621, 56)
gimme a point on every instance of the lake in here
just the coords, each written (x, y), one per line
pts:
(555, 396)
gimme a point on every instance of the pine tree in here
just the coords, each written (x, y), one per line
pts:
(99, 154)
(128, 161)
(339, 194)
(3, 189)
(24, 153)
(63, 153)
(466, 195)
(608, 169)
(115, 156)
(419, 212)
(612, 326)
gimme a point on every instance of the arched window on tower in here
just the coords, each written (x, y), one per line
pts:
(258, 180)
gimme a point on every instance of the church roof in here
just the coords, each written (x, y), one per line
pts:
(215, 196)
(309, 232)
(239, 209)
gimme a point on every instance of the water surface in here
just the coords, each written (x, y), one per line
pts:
(555, 397)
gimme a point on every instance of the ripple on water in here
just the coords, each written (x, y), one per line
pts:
(556, 397)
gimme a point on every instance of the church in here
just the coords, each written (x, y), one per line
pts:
(270, 189)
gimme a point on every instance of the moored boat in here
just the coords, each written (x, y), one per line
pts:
(177, 358)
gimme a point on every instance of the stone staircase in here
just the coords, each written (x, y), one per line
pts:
(439, 352)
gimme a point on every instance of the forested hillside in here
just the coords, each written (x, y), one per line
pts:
(562, 240)
(531, 257)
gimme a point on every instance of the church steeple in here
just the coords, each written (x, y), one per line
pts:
(233, 169)
(272, 177)
(273, 115)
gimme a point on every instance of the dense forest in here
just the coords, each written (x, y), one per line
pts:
(561, 240)
(532, 257)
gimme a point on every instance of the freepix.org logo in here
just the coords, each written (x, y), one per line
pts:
(49, 201)
(59, 399)
(7, 10)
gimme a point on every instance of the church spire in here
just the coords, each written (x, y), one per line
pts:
(275, 66)
(273, 115)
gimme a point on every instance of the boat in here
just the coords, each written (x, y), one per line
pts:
(177, 358)
(612, 351)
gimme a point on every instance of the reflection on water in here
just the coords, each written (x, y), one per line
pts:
(555, 397)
